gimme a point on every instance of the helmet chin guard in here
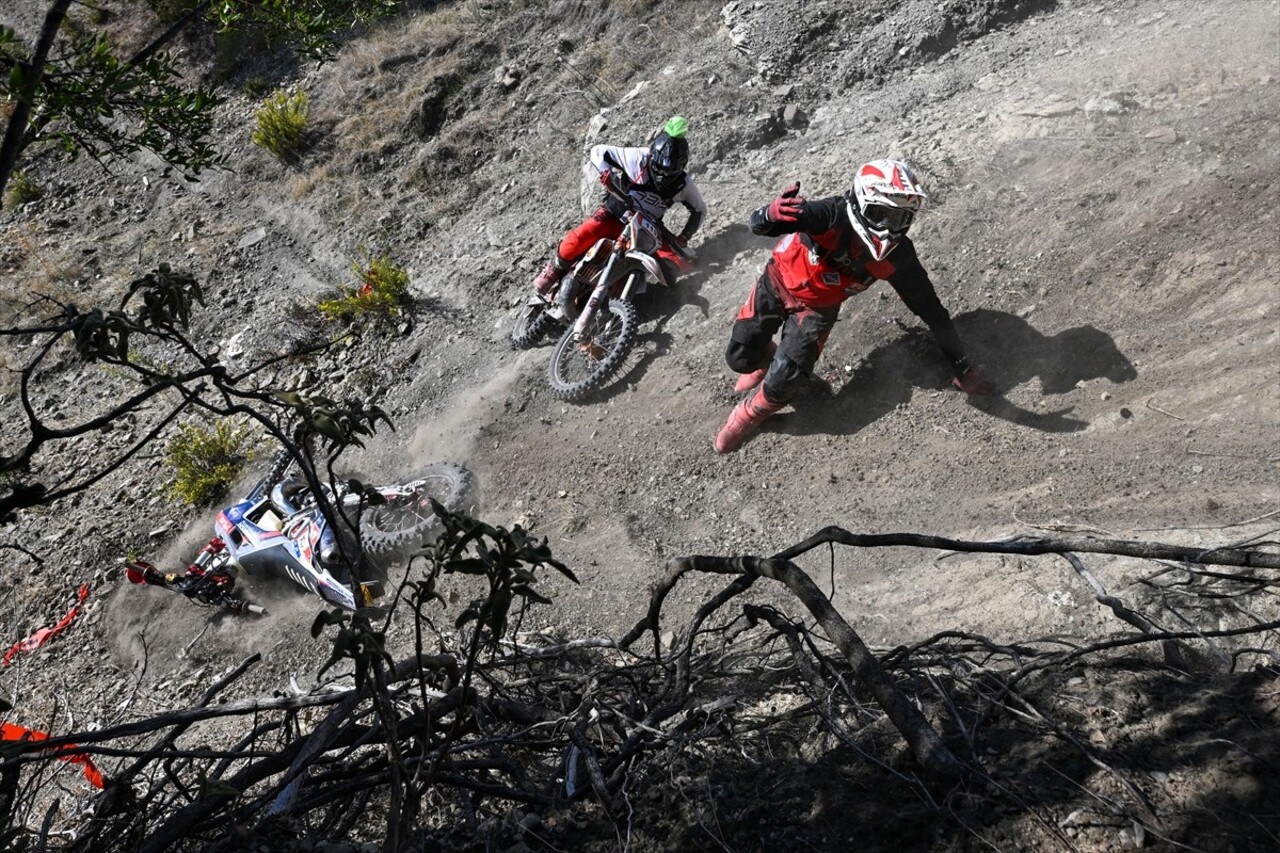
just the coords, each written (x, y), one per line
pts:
(885, 198)
(669, 153)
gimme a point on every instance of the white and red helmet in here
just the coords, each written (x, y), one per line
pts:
(886, 196)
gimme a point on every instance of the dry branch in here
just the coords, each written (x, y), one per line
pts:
(1219, 556)
(926, 744)
(544, 722)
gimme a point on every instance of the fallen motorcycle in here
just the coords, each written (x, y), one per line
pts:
(279, 531)
(593, 308)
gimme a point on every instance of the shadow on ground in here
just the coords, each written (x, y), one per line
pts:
(1007, 349)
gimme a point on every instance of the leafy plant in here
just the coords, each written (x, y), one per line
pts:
(256, 86)
(339, 425)
(381, 291)
(21, 190)
(282, 124)
(72, 86)
(104, 106)
(206, 461)
(169, 11)
(508, 560)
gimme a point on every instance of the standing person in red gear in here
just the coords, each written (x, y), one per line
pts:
(653, 178)
(831, 249)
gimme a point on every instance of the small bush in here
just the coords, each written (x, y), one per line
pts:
(282, 124)
(381, 292)
(21, 190)
(256, 86)
(206, 461)
(169, 11)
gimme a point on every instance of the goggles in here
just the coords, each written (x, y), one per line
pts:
(660, 172)
(886, 218)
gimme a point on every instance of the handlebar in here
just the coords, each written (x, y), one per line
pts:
(216, 588)
(615, 188)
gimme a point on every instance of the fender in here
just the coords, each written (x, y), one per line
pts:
(651, 266)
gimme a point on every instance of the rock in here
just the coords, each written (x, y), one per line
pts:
(506, 77)
(333, 847)
(1105, 106)
(794, 116)
(635, 91)
(1051, 109)
(597, 124)
(252, 238)
(425, 121)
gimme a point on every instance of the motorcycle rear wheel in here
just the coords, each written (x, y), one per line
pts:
(579, 367)
(405, 525)
(532, 325)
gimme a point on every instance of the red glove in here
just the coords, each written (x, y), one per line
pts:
(972, 383)
(786, 207)
(614, 180)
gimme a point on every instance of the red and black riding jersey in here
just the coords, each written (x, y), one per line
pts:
(820, 262)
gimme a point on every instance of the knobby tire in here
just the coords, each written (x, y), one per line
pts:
(532, 326)
(402, 527)
(614, 331)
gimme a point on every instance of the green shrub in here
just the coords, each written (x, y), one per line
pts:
(256, 86)
(282, 124)
(206, 461)
(380, 293)
(21, 190)
(169, 11)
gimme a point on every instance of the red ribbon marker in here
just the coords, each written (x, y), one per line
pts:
(38, 639)
(69, 753)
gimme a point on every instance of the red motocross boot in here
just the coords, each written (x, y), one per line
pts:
(747, 381)
(550, 277)
(744, 420)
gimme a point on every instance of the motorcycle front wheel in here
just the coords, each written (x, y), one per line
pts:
(579, 367)
(406, 523)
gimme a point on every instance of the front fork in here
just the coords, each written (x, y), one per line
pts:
(598, 298)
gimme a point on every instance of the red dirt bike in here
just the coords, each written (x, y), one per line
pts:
(278, 531)
(593, 309)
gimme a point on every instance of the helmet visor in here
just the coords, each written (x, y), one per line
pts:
(662, 171)
(883, 217)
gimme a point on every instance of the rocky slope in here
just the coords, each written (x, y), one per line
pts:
(1103, 228)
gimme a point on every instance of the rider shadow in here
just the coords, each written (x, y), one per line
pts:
(714, 255)
(723, 248)
(1008, 350)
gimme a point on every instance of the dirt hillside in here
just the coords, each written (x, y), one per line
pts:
(1104, 191)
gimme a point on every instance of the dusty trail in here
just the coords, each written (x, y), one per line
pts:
(1103, 228)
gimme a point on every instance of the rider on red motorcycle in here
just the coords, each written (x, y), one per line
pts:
(653, 179)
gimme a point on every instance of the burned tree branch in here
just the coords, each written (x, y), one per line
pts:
(1220, 556)
(926, 744)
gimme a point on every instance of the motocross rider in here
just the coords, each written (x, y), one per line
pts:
(831, 249)
(653, 178)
